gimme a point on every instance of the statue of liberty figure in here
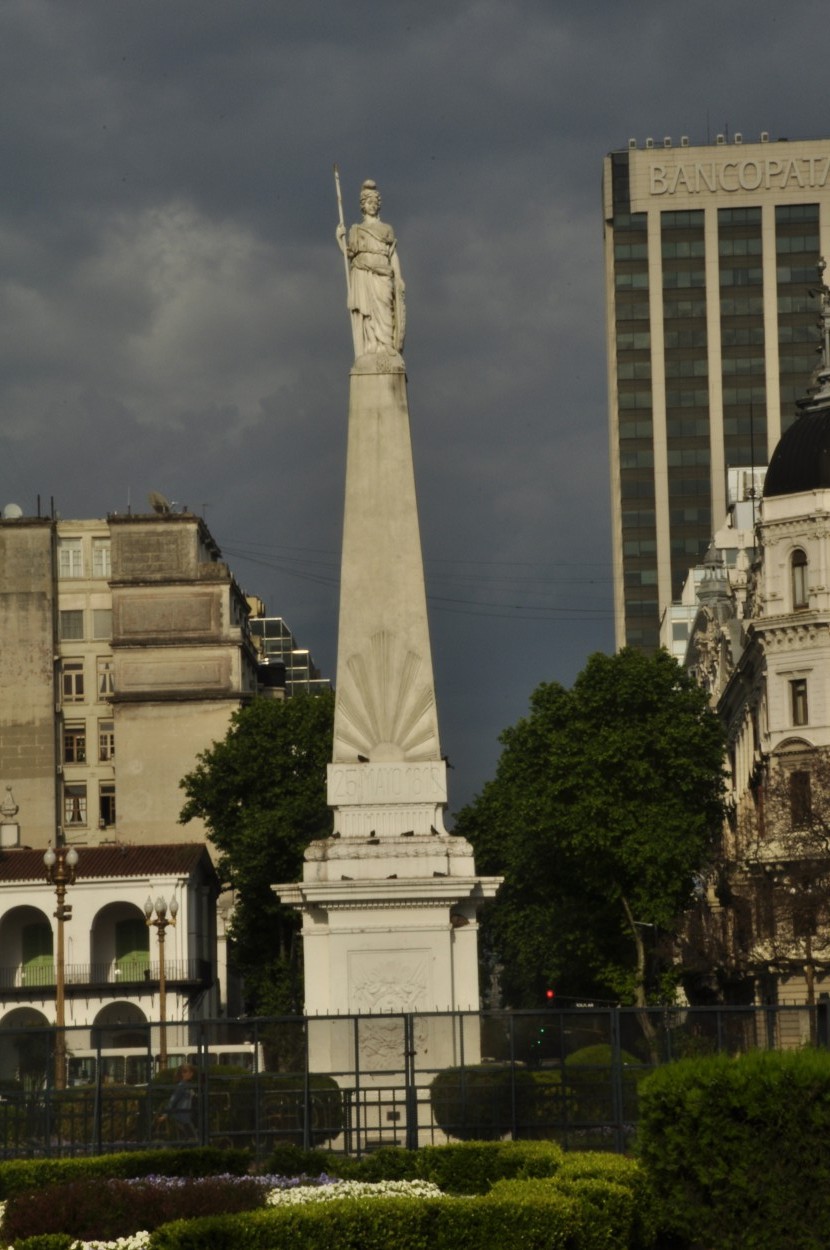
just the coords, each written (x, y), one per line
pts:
(376, 287)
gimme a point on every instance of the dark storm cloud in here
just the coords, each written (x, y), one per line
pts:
(172, 303)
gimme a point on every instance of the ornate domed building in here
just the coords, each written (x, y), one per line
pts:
(763, 932)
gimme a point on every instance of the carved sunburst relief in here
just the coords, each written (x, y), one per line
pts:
(384, 711)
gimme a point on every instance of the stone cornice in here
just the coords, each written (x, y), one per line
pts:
(792, 632)
(386, 894)
(438, 846)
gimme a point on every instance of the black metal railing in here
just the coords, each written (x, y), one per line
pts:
(357, 1082)
(132, 972)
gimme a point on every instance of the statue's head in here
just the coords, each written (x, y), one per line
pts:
(370, 198)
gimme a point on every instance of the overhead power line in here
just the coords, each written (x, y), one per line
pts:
(322, 568)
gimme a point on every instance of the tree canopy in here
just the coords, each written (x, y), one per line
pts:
(605, 806)
(261, 791)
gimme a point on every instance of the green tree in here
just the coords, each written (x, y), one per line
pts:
(604, 810)
(261, 791)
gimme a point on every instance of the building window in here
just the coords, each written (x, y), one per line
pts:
(801, 806)
(798, 700)
(766, 908)
(106, 740)
(72, 681)
(106, 804)
(798, 569)
(74, 805)
(104, 677)
(101, 557)
(70, 557)
(101, 623)
(74, 743)
(71, 624)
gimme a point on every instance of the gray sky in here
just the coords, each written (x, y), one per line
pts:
(172, 312)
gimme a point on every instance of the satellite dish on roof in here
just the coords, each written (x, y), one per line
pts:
(12, 511)
(159, 504)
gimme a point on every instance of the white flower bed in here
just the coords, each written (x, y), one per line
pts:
(137, 1241)
(353, 1189)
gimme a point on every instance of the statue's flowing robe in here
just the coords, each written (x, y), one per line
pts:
(376, 293)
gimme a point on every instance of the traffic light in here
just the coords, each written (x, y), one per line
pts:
(550, 995)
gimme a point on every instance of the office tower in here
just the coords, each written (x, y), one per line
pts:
(710, 258)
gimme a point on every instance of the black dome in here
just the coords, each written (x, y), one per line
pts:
(801, 461)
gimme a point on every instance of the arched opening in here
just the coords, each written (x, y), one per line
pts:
(121, 944)
(118, 1025)
(121, 1041)
(25, 1049)
(26, 944)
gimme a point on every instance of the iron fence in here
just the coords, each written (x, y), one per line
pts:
(355, 1083)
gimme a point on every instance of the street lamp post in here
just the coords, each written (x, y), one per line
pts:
(60, 872)
(161, 922)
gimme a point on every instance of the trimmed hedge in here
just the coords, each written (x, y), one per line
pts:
(514, 1194)
(237, 1098)
(589, 1079)
(737, 1149)
(618, 1170)
(17, 1175)
(103, 1210)
(471, 1167)
(482, 1103)
(547, 1221)
(46, 1241)
(460, 1168)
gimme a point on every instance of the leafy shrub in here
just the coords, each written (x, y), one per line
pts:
(606, 1208)
(555, 1222)
(46, 1241)
(236, 1099)
(552, 1105)
(389, 1163)
(460, 1168)
(104, 1210)
(482, 1103)
(17, 1175)
(116, 1113)
(618, 1170)
(471, 1167)
(291, 1160)
(589, 1080)
(736, 1149)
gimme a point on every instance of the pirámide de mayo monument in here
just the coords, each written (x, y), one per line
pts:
(389, 900)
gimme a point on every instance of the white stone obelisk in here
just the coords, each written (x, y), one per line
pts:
(390, 900)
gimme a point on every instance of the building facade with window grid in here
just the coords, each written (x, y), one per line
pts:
(285, 669)
(124, 649)
(710, 257)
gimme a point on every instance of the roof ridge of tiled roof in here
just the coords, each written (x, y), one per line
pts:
(115, 859)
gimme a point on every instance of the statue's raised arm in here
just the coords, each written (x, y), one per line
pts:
(376, 287)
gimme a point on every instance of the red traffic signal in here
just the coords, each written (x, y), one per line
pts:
(550, 995)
